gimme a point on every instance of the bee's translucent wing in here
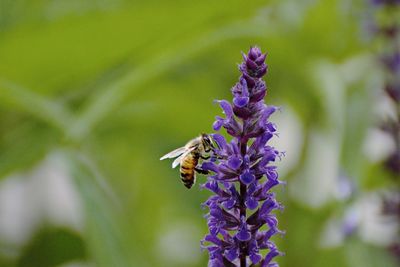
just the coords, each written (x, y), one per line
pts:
(175, 153)
(177, 161)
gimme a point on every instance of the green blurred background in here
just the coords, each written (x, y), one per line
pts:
(93, 92)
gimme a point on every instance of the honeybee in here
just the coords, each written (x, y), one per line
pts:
(188, 157)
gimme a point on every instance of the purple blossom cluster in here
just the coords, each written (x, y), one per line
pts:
(240, 218)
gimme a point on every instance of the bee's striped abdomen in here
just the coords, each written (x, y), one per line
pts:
(188, 165)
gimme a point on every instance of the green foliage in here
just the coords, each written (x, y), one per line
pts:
(115, 84)
(51, 247)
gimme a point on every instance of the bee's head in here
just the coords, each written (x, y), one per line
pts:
(207, 143)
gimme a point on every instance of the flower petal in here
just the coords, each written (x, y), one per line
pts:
(255, 258)
(243, 234)
(231, 254)
(247, 177)
(251, 203)
(226, 106)
(234, 162)
(209, 166)
(218, 123)
(240, 102)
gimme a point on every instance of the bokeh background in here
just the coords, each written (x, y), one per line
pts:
(93, 92)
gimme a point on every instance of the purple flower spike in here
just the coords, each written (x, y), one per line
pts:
(242, 175)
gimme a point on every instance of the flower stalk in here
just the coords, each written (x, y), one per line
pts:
(240, 218)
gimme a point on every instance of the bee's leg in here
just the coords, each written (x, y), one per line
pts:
(214, 156)
(201, 171)
(209, 156)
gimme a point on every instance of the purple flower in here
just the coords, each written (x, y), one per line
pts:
(241, 175)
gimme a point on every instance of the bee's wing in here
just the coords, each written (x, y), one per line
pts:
(175, 153)
(177, 161)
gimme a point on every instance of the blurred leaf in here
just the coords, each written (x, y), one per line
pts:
(5, 262)
(361, 254)
(376, 177)
(23, 142)
(51, 247)
(103, 232)
(112, 96)
(301, 241)
(52, 112)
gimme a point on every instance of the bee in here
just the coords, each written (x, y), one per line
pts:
(188, 157)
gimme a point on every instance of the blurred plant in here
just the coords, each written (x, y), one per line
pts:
(375, 215)
(385, 2)
(389, 30)
(390, 60)
(237, 183)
